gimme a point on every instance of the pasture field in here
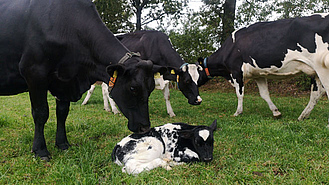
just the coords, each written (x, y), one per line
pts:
(251, 149)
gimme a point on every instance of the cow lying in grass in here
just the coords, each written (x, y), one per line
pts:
(160, 84)
(165, 146)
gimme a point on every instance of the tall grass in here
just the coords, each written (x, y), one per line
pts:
(253, 148)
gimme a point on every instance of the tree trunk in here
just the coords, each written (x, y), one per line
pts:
(228, 19)
(138, 18)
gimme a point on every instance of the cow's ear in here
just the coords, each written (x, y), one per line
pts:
(116, 67)
(186, 134)
(200, 60)
(159, 69)
(171, 74)
(213, 126)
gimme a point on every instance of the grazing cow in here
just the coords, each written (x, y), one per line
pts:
(156, 46)
(165, 146)
(63, 47)
(160, 84)
(276, 49)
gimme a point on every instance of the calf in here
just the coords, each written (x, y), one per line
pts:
(277, 49)
(165, 146)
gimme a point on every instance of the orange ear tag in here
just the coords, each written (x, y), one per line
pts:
(172, 72)
(113, 79)
(177, 78)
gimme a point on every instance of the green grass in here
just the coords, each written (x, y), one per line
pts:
(253, 148)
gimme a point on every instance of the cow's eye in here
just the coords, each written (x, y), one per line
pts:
(133, 89)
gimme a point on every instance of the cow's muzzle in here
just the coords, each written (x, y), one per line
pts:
(197, 101)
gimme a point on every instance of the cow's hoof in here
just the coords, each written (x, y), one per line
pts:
(172, 115)
(46, 158)
(63, 146)
(277, 116)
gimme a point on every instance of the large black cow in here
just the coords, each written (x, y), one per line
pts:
(156, 46)
(64, 47)
(274, 50)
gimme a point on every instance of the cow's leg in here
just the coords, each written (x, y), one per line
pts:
(40, 113)
(89, 93)
(322, 71)
(115, 110)
(317, 92)
(264, 93)
(62, 110)
(166, 96)
(239, 90)
(106, 97)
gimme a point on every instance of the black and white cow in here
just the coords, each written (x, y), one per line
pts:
(63, 47)
(156, 46)
(165, 146)
(276, 49)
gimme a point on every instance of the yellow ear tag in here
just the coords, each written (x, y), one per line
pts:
(113, 79)
(157, 75)
(177, 78)
(172, 72)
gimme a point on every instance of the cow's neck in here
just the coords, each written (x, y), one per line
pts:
(172, 59)
(216, 66)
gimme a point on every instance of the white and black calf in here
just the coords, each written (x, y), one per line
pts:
(165, 146)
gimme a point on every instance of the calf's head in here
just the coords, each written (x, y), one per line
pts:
(133, 86)
(202, 140)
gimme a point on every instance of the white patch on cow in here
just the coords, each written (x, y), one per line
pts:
(189, 153)
(147, 155)
(193, 71)
(295, 62)
(323, 15)
(204, 134)
(233, 35)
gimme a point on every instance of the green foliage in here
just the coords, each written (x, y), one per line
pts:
(115, 14)
(255, 10)
(157, 10)
(253, 148)
(192, 41)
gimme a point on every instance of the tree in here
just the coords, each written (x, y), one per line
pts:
(192, 41)
(158, 9)
(115, 14)
(228, 19)
(252, 11)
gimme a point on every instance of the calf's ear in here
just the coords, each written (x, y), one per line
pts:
(213, 126)
(116, 67)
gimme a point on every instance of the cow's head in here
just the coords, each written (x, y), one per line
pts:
(187, 79)
(202, 140)
(133, 86)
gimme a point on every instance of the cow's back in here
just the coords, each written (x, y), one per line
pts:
(267, 43)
